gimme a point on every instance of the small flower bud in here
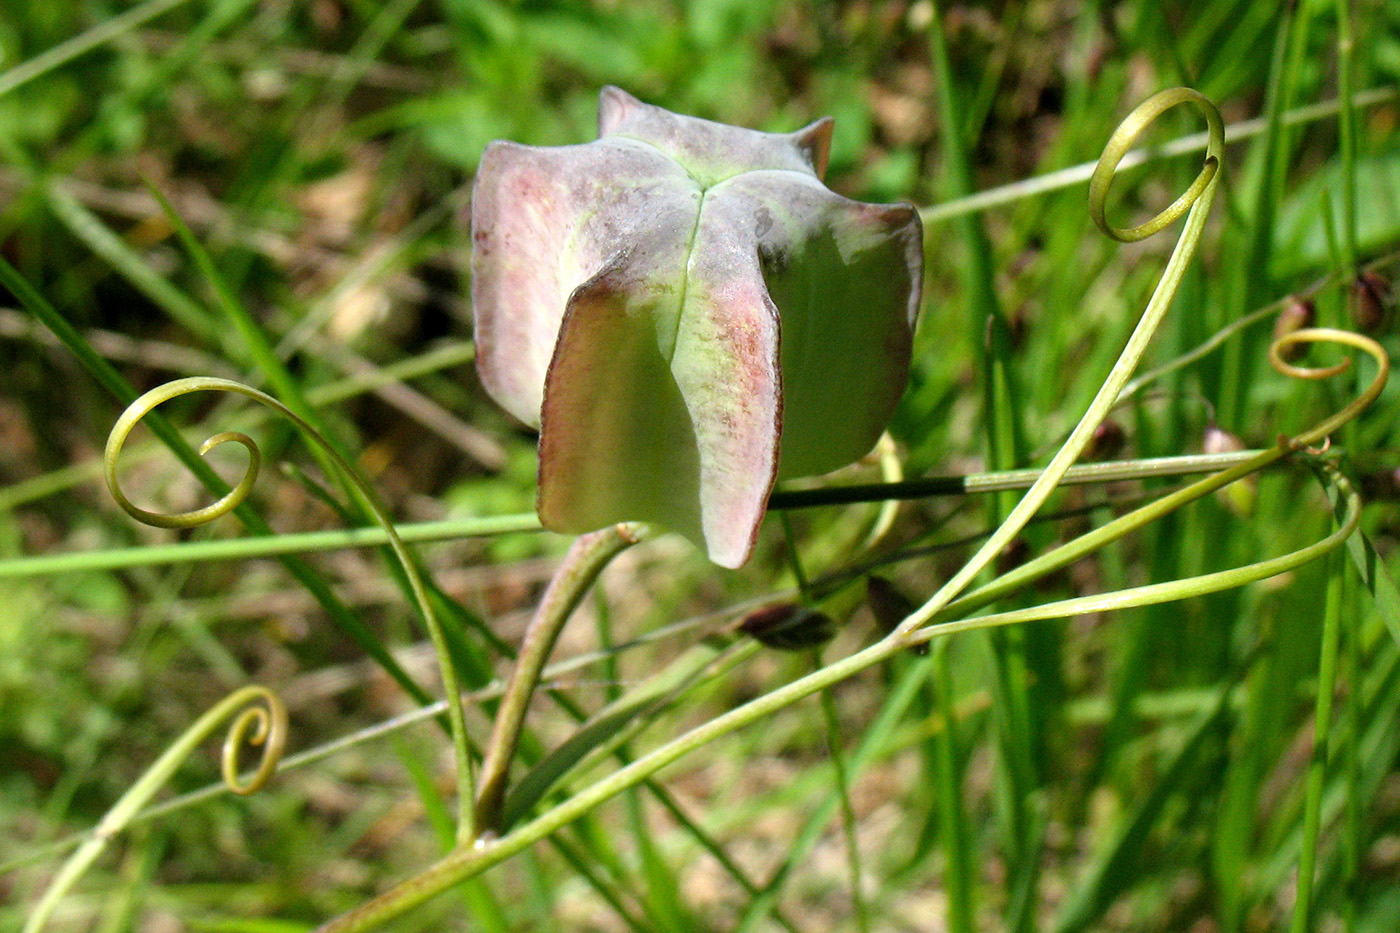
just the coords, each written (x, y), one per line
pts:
(1298, 314)
(1217, 440)
(889, 606)
(1238, 497)
(1372, 302)
(1108, 441)
(788, 627)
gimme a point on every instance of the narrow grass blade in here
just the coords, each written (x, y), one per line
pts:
(116, 384)
(841, 776)
(79, 45)
(1117, 868)
(607, 729)
(954, 828)
(1317, 765)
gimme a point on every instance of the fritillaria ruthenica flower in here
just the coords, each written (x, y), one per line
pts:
(688, 315)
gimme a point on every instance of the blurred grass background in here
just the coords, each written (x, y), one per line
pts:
(1141, 771)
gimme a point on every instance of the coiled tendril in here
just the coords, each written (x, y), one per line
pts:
(143, 406)
(954, 616)
(1330, 335)
(269, 730)
(253, 707)
(236, 496)
(1195, 203)
(1121, 142)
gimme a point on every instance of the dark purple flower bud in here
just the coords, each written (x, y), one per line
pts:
(1372, 302)
(788, 627)
(1298, 314)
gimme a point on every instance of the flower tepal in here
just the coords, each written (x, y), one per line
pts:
(687, 314)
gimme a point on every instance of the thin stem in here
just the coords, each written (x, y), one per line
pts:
(587, 557)
(1317, 766)
(794, 556)
(836, 750)
(1111, 471)
(258, 546)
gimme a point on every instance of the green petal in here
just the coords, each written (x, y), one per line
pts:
(845, 277)
(689, 441)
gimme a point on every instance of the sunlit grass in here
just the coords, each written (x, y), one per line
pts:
(1143, 769)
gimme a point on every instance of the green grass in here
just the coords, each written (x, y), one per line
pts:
(1167, 767)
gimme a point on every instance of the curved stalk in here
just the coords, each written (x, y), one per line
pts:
(587, 557)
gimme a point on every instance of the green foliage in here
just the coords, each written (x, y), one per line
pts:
(1147, 768)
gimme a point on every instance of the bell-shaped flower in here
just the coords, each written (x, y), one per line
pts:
(688, 315)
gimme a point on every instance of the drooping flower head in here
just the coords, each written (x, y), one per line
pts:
(687, 314)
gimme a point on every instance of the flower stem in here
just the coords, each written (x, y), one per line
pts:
(587, 557)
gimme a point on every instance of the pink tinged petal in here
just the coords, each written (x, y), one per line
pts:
(709, 151)
(544, 221)
(726, 364)
(845, 277)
